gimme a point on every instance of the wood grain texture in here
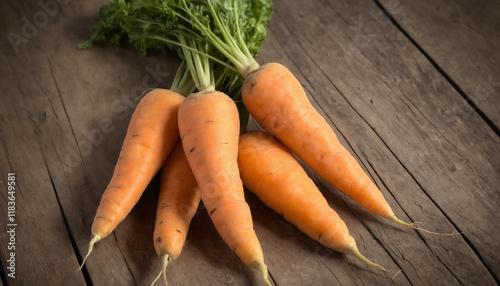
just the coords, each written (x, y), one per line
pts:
(80, 129)
(405, 115)
(64, 114)
(462, 38)
(43, 248)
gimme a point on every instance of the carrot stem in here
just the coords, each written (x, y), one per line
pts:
(413, 225)
(194, 50)
(95, 238)
(354, 250)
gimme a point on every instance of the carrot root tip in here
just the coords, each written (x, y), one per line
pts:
(261, 266)
(165, 259)
(394, 276)
(156, 279)
(95, 238)
(354, 250)
(415, 226)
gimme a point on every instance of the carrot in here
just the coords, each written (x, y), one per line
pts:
(277, 101)
(209, 129)
(177, 204)
(149, 25)
(150, 137)
(275, 98)
(272, 173)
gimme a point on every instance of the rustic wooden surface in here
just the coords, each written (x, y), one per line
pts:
(413, 92)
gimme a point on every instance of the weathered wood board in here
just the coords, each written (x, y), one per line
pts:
(394, 98)
(462, 39)
(398, 108)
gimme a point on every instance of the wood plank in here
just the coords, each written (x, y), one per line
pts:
(311, 263)
(462, 38)
(205, 259)
(380, 87)
(77, 105)
(37, 73)
(42, 244)
(295, 259)
(136, 249)
(81, 103)
(354, 217)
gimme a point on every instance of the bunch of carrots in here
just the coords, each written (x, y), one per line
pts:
(194, 137)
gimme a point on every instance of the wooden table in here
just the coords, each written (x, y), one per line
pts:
(412, 88)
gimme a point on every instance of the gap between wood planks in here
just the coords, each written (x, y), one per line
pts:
(444, 213)
(84, 270)
(124, 259)
(469, 101)
(442, 72)
(271, 277)
(353, 150)
(355, 153)
(362, 163)
(464, 96)
(418, 232)
(368, 228)
(85, 273)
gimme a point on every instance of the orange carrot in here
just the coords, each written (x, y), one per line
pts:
(177, 204)
(150, 137)
(275, 98)
(277, 101)
(272, 173)
(209, 129)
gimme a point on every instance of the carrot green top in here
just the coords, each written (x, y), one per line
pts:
(207, 30)
(209, 35)
(236, 28)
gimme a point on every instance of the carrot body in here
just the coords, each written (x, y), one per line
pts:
(277, 101)
(150, 137)
(177, 203)
(209, 129)
(272, 173)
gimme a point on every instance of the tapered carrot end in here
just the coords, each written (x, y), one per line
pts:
(397, 273)
(95, 238)
(261, 266)
(165, 259)
(354, 250)
(414, 226)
